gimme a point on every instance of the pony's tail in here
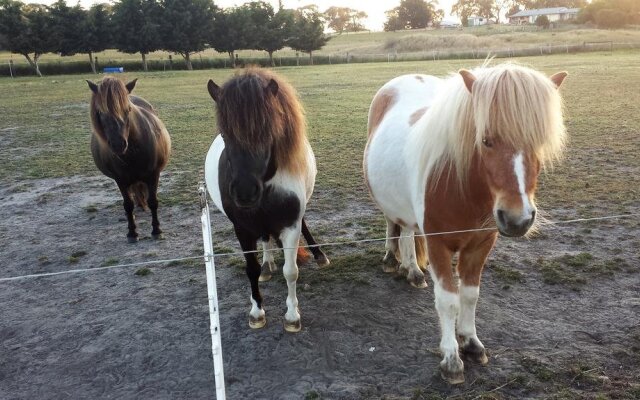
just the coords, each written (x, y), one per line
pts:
(303, 256)
(421, 252)
(140, 193)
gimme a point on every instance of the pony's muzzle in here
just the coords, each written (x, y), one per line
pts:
(514, 226)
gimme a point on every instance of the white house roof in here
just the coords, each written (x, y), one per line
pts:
(545, 11)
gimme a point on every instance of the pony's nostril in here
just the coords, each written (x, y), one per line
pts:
(501, 217)
(533, 215)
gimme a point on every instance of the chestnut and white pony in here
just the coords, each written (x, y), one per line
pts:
(456, 154)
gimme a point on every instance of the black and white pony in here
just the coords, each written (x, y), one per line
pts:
(260, 172)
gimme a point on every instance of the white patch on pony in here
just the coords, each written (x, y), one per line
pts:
(467, 318)
(211, 171)
(255, 312)
(290, 239)
(267, 253)
(520, 172)
(448, 308)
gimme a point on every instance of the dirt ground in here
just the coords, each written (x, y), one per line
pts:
(559, 313)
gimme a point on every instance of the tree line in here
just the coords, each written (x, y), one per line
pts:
(142, 26)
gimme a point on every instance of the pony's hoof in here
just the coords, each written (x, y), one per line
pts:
(257, 323)
(292, 327)
(474, 353)
(419, 283)
(265, 272)
(389, 263)
(132, 239)
(157, 236)
(452, 377)
(322, 261)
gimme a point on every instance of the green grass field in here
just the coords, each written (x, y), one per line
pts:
(44, 125)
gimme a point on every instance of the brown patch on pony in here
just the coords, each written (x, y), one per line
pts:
(421, 251)
(303, 255)
(417, 114)
(381, 103)
(258, 109)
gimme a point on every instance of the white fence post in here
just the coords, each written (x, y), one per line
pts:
(212, 290)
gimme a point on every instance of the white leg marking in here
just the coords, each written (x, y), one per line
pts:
(520, 172)
(448, 308)
(290, 238)
(467, 318)
(256, 313)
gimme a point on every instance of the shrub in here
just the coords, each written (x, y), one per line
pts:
(543, 21)
(611, 19)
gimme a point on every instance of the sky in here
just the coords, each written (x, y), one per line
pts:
(374, 8)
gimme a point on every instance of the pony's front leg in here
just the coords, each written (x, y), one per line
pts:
(390, 261)
(409, 261)
(152, 186)
(268, 262)
(470, 264)
(127, 203)
(448, 307)
(248, 243)
(290, 240)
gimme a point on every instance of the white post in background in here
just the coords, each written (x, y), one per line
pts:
(214, 315)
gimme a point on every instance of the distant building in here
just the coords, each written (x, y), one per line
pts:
(554, 14)
(477, 21)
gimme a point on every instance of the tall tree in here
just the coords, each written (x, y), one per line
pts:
(269, 30)
(230, 31)
(137, 25)
(97, 32)
(308, 31)
(66, 26)
(27, 30)
(411, 14)
(464, 9)
(187, 26)
(342, 19)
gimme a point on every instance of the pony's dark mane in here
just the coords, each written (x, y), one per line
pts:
(254, 118)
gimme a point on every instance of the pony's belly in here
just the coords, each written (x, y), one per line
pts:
(211, 166)
(387, 175)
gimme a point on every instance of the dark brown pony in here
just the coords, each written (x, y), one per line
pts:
(129, 145)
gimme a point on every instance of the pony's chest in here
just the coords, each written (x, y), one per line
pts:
(279, 209)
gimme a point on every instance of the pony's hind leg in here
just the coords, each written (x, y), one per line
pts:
(152, 186)
(290, 239)
(470, 264)
(268, 262)
(248, 243)
(390, 260)
(318, 254)
(409, 261)
(127, 203)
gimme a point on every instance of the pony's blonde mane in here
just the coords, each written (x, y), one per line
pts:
(245, 110)
(515, 104)
(112, 98)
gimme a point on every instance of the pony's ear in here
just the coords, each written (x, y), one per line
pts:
(468, 78)
(131, 85)
(92, 86)
(558, 78)
(272, 87)
(214, 90)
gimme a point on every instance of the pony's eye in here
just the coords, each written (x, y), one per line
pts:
(487, 142)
